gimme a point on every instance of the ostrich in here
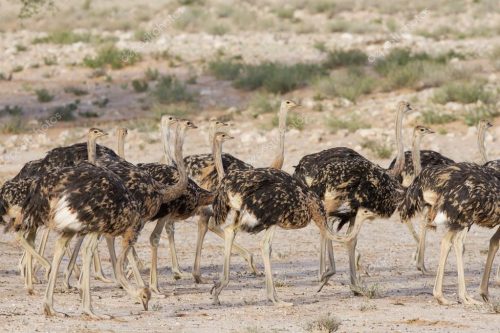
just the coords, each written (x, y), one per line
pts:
(84, 200)
(459, 196)
(345, 181)
(149, 193)
(193, 202)
(262, 199)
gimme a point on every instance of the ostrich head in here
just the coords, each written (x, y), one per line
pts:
(364, 214)
(421, 130)
(95, 133)
(121, 132)
(288, 105)
(217, 124)
(187, 124)
(144, 295)
(405, 106)
(221, 137)
(167, 120)
(485, 123)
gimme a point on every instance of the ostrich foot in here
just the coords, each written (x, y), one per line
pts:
(468, 300)
(442, 300)
(49, 311)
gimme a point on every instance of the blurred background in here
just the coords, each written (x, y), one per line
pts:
(77, 63)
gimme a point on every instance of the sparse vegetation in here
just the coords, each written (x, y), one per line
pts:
(65, 112)
(113, 57)
(63, 37)
(14, 125)
(11, 110)
(463, 92)
(76, 91)
(326, 324)
(169, 89)
(435, 118)
(140, 86)
(352, 124)
(348, 83)
(473, 115)
(178, 110)
(151, 74)
(17, 69)
(343, 58)
(101, 102)
(50, 60)
(263, 103)
(89, 114)
(369, 292)
(381, 150)
(43, 95)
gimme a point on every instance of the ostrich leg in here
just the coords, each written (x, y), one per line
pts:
(176, 270)
(48, 302)
(72, 263)
(266, 256)
(494, 244)
(438, 284)
(154, 241)
(229, 234)
(89, 249)
(202, 231)
(458, 243)
(421, 248)
(31, 250)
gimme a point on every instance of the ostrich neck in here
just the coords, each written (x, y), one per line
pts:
(121, 146)
(91, 150)
(400, 158)
(415, 154)
(481, 136)
(211, 132)
(165, 139)
(217, 156)
(280, 155)
(178, 189)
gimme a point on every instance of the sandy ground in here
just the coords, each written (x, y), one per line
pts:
(405, 303)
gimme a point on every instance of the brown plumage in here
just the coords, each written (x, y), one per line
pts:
(193, 202)
(458, 195)
(201, 167)
(83, 200)
(344, 180)
(262, 199)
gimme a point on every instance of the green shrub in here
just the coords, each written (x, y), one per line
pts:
(463, 92)
(14, 125)
(352, 124)
(472, 117)
(89, 114)
(263, 103)
(110, 55)
(225, 69)
(434, 118)
(65, 112)
(381, 150)
(339, 58)
(325, 324)
(63, 37)
(151, 74)
(170, 90)
(75, 91)
(139, 86)
(43, 95)
(11, 110)
(350, 84)
(101, 102)
(293, 120)
(17, 69)
(276, 77)
(50, 61)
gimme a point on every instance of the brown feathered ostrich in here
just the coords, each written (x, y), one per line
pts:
(260, 199)
(120, 133)
(344, 180)
(202, 209)
(459, 196)
(83, 200)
